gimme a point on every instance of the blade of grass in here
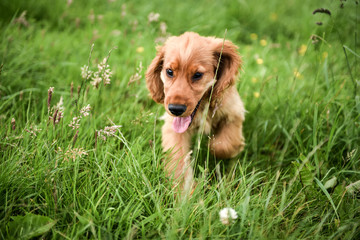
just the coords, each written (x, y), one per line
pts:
(328, 196)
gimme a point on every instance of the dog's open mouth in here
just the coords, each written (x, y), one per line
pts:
(181, 124)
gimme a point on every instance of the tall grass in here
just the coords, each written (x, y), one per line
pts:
(298, 177)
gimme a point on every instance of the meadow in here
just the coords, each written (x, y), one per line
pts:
(80, 138)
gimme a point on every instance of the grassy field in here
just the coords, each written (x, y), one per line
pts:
(102, 177)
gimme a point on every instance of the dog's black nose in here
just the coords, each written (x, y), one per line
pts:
(177, 109)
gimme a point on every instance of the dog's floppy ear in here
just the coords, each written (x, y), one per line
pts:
(153, 80)
(229, 65)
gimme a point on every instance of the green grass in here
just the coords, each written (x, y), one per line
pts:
(302, 127)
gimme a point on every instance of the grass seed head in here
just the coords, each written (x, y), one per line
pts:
(137, 76)
(85, 110)
(107, 131)
(55, 116)
(22, 20)
(13, 124)
(50, 92)
(71, 90)
(75, 123)
(75, 137)
(322, 10)
(153, 17)
(85, 72)
(163, 28)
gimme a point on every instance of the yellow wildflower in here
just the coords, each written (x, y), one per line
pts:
(259, 61)
(263, 42)
(253, 36)
(297, 74)
(254, 80)
(256, 94)
(273, 17)
(140, 49)
(302, 49)
(325, 55)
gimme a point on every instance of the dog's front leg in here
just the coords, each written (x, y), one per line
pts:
(228, 141)
(177, 163)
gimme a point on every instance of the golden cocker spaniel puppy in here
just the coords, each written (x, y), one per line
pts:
(182, 78)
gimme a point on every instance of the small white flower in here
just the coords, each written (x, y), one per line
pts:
(60, 104)
(85, 72)
(51, 89)
(50, 92)
(137, 76)
(75, 124)
(108, 131)
(112, 128)
(106, 76)
(102, 74)
(96, 80)
(163, 28)
(227, 216)
(85, 110)
(153, 17)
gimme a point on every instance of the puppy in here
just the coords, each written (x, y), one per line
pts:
(191, 76)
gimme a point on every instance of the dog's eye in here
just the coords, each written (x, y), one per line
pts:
(169, 72)
(197, 76)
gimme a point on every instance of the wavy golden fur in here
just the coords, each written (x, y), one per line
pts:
(181, 77)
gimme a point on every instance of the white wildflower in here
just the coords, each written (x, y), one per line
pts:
(106, 76)
(116, 33)
(85, 110)
(227, 216)
(51, 89)
(59, 117)
(108, 131)
(73, 153)
(96, 80)
(112, 128)
(33, 130)
(85, 72)
(163, 28)
(50, 92)
(91, 16)
(13, 123)
(103, 74)
(69, 2)
(101, 65)
(137, 76)
(134, 24)
(160, 40)
(60, 104)
(75, 123)
(22, 20)
(153, 17)
(57, 112)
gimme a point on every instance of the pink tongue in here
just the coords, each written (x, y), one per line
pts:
(181, 124)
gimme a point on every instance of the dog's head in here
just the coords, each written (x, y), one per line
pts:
(183, 71)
